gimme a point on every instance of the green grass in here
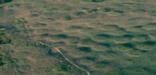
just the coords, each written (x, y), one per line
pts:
(105, 37)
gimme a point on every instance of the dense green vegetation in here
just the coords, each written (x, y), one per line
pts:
(4, 1)
(4, 39)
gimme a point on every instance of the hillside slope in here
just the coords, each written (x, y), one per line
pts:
(103, 37)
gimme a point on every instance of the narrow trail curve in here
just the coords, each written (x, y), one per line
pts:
(32, 36)
(68, 60)
(27, 27)
(59, 51)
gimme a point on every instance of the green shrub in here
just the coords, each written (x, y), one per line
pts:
(94, 0)
(1, 61)
(3, 38)
(5, 59)
(85, 49)
(5, 1)
(67, 17)
(80, 13)
(97, 0)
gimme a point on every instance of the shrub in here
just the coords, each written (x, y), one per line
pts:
(85, 49)
(3, 38)
(97, 0)
(80, 12)
(94, 0)
(5, 1)
(67, 17)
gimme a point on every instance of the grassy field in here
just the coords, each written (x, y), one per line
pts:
(104, 37)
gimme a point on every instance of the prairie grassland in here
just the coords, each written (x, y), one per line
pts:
(104, 37)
